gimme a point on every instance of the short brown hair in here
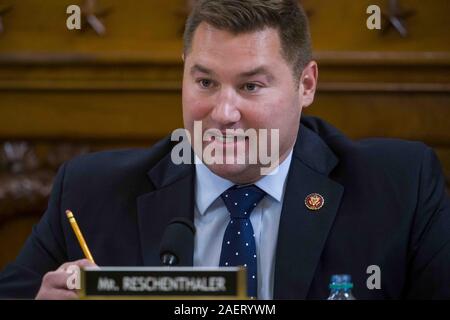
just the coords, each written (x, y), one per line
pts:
(243, 16)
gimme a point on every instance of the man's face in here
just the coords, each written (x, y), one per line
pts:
(242, 82)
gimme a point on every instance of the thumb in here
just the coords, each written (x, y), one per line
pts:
(84, 263)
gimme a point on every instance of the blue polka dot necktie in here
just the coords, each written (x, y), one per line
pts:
(238, 246)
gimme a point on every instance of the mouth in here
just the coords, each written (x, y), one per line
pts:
(229, 139)
(225, 138)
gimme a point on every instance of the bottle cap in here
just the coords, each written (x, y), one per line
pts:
(341, 281)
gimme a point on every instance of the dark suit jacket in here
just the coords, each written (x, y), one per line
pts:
(385, 205)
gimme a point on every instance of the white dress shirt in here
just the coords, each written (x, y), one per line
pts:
(212, 217)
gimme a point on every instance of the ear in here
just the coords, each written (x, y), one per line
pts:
(308, 83)
(182, 57)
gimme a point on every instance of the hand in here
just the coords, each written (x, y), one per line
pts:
(54, 283)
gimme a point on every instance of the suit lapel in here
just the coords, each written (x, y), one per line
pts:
(302, 232)
(173, 197)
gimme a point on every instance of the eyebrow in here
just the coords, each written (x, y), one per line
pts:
(257, 71)
(200, 68)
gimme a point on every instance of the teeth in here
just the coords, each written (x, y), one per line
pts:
(228, 139)
(225, 139)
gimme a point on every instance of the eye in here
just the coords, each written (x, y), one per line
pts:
(251, 87)
(205, 83)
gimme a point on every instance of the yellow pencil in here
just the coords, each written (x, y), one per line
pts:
(79, 235)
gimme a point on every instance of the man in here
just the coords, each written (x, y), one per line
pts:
(333, 205)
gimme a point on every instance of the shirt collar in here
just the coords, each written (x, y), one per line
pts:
(209, 186)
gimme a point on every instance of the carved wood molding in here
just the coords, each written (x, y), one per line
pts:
(92, 16)
(26, 177)
(3, 11)
(370, 71)
(395, 19)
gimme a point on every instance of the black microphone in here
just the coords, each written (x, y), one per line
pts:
(177, 244)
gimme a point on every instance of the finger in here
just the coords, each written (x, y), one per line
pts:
(58, 294)
(84, 263)
(64, 266)
(65, 294)
(80, 263)
(56, 279)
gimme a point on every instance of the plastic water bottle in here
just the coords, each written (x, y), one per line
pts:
(341, 287)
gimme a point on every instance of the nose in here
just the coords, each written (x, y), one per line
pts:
(225, 111)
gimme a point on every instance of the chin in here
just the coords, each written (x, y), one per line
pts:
(237, 173)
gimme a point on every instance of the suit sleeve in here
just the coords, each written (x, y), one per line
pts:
(429, 274)
(43, 251)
